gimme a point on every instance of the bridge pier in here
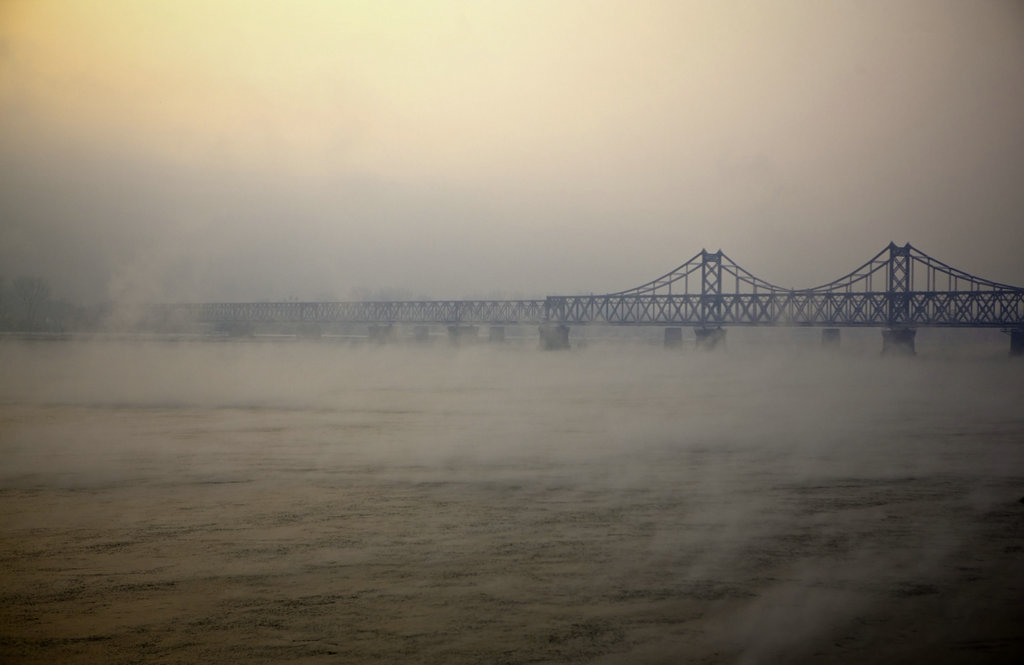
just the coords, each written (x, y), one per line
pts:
(496, 334)
(1017, 342)
(421, 333)
(554, 337)
(709, 338)
(462, 334)
(673, 337)
(237, 328)
(830, 338)
(898, 341)
(309, 331)
(382, 333)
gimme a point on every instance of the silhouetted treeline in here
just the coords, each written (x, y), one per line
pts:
(26, 305)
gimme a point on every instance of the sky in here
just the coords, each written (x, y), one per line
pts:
(207, 150)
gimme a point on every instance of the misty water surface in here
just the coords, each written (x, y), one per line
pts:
(340, 503)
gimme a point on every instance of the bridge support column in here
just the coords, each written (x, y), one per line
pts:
(309, 331)
(496, 334)
(462, 334)
(421, 333)
(237, 328)
(898, 341)
(554, 337)
(381, 334)
(1017, 342)
(830, 338)
(709, 338)
(673, 337)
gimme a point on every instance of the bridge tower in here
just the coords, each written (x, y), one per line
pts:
(898, 338)
(710, 301)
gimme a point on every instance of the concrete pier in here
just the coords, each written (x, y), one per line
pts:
(554, 337)
(421, 333)
(496, 335)
(381, 334)
(898, 341)
(709, 338)
(462, 334)
(1017, 342)
(309, 331)
(673, 337)
(237, 328)
(830, 338)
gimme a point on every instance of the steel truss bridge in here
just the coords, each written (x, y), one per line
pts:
(900, 287)
(453, 312)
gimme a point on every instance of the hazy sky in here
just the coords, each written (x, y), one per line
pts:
(237, 150)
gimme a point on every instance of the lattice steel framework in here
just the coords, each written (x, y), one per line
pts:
(712, 290)
(898, 287)
(410, 311)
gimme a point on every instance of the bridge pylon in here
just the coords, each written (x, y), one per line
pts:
(900, 285)
(898, 338)
(710, 287)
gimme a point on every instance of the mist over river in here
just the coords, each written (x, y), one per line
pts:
(328, 502)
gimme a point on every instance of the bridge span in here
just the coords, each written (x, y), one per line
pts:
(899, 289)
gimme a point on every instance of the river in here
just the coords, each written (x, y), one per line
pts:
(329, 502)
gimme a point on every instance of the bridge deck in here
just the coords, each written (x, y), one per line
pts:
(708, 290)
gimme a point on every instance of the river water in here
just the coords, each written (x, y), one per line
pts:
(327, 502)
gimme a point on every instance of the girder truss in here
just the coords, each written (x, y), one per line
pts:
(898, 287)
(408, 311)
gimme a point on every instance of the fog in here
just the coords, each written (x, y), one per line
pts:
(277, 500)
(216, 151)
(337, 502)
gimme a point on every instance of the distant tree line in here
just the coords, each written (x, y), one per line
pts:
(26, 305)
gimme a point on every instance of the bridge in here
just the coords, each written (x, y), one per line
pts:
(899, 289)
